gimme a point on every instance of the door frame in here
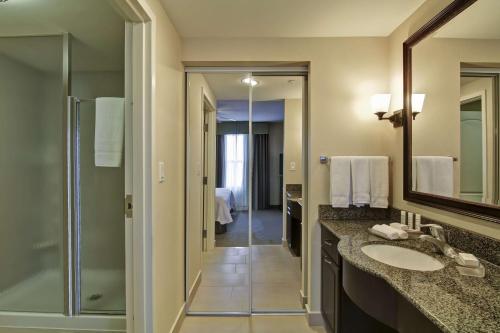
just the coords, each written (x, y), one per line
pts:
(139, 84)
(481, 95)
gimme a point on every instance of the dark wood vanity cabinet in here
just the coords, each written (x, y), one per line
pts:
(294, 227)
(355, 301)
(330, 289)
(330, 282)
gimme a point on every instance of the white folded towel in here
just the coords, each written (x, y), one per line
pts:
(388, 232)
(434, 175)
(400, 226)
(360, 168)
(109, 131)
(443, 176)
(379, 181)
(383, 231)
(340, 181)
(424, 174)
(414, 173)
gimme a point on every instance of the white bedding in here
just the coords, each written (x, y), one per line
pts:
(224, 202)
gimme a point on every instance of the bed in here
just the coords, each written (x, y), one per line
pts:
(224, 204)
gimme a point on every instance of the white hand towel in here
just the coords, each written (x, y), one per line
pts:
(425, 168)
(414, 173)
(400, 226)
(109, 131)
(443, 176)
(340, 181)
(360, 167)
(379, 182)
(382, 231)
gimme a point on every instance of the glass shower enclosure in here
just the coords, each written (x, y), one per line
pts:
(62, 223)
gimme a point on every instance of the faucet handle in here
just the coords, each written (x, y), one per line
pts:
(436, 231)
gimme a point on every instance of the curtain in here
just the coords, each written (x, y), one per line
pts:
(261, 188)
(236, 168)
(220, 161)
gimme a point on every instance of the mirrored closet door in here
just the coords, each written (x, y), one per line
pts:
(244, 135)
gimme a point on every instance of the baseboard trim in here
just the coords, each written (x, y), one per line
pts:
(176, 327)
(303, 298)
(194, 288)
(284, 242)
(314, 318)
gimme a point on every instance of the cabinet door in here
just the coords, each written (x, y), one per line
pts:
(329, 293)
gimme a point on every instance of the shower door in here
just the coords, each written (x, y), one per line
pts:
(98, 222)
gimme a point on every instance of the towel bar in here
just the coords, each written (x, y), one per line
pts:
(325, 159)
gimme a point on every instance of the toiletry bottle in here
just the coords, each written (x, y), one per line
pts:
(403, 217)
(410, 221)
(418, 219)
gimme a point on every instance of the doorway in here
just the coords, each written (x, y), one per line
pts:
(249, 158)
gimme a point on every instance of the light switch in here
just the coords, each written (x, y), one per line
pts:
(161, 172)
(292, 166)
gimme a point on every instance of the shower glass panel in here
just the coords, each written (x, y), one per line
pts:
(100, 242)
(31, 174)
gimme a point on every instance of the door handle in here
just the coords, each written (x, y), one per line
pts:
(328, 243)
(327, 261)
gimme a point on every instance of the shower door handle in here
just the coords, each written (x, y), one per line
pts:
(129, 208)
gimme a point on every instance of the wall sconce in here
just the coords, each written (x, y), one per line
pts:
(417, 103)
(381, 102)
(380, 106)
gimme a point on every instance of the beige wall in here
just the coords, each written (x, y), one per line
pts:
(393, 138)
(168, 197)
(197, 85)
(292, 142)
(344, 73)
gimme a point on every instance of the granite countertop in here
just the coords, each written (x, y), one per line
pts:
(455, 303)
(294, 196)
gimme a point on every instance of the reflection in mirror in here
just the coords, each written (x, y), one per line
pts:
(218, 193)
(277, 111)
(455, 143)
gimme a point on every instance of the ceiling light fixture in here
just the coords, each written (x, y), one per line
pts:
(250, 81)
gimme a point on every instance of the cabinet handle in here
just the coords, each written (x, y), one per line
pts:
(328, 243)
(327, 261)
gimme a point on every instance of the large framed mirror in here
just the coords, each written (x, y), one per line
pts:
(451, 117)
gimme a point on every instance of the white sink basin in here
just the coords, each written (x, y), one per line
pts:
(402, 257)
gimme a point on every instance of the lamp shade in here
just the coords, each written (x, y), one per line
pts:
(380, 103)
(417, 102)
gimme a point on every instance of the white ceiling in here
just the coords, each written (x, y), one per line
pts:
(229, 87)
(288, 18)
(97, 30)
(480, 21)
(233, 96)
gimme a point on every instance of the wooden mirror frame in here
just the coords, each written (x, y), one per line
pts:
(477, 210)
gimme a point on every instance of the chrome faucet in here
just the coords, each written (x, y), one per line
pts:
(438, 238)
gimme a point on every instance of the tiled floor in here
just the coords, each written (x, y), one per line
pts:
(225, 281)
(254, 324)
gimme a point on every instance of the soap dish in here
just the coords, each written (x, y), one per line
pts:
(472, 271)
(413, 233)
